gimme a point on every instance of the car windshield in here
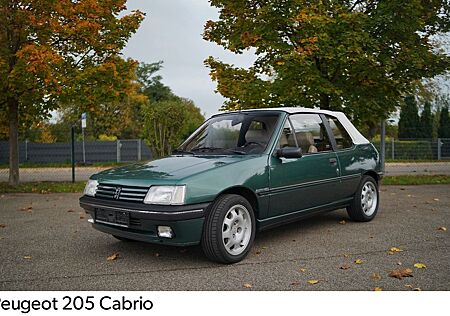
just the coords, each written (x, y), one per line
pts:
(232, 134)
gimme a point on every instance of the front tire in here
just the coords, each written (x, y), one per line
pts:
(365, 203)
(229, 229)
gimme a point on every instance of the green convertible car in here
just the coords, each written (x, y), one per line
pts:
(239, 173)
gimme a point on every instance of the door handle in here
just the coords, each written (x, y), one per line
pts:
(333, 161)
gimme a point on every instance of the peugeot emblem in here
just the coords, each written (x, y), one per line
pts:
(117, 193)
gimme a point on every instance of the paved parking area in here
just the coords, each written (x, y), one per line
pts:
(47, 244)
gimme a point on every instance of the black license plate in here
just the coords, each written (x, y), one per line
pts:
(119, 218)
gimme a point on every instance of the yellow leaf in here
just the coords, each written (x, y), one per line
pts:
(248, 285)
(420, 266)
(27, 257)
(358, 261)
(417, 289)
(302, 269)
(312, 282)
(409, 286)
(444, 229)
(113, 257)
(378, 289)
(390, 253)
(395, 249)
(376, 276)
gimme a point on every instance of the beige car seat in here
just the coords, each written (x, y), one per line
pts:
(306, 142)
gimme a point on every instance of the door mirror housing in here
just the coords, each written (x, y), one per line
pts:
(289, 152)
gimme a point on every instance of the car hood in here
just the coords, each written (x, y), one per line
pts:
(168, 170)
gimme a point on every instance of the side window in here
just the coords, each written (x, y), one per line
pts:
(343, 139)
(286, 137)
(310, 133)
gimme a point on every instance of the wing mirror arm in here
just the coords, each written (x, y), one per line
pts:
(289, 152)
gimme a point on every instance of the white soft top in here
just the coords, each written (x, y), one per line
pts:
(356, 136)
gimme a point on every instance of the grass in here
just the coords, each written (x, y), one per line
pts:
(66, 165)
(416, 179)
(77, 187)
(43, 187)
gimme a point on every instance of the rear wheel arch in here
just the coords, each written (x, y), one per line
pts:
(372, 174)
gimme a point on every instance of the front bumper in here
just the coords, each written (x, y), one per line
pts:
(185, 220)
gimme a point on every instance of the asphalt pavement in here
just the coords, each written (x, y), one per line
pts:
(47, 244)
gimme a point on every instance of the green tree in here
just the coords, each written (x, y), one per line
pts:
(166, 123)
(444, 124)
(426, 122)
(408, 124)
(357, 56)
(151, 84)
(60, 51)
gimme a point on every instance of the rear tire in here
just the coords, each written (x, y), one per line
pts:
(229, 229)
(365, 203)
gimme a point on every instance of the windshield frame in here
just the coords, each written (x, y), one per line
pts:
(279, 118)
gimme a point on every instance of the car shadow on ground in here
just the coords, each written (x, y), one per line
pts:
(193, 255)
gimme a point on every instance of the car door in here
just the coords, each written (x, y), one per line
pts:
(301, 184)
(350, 161)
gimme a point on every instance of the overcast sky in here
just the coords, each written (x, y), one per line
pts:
(172, 32)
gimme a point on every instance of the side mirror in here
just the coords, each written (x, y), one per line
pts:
(289, 152)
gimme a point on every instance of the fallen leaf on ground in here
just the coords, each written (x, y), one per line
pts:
(70, 211)
(345, 267)
(358, 261)
(113, 257)
(444, 229)
(258, 252)
(377, 289)
(302, 269)
(343, 222)
(399, 263)
(28, 209)
(390, 253)
(248, 285)
(312, 282)
(27, 257)
(409, 286)
(401, 273)
(264, 247)
(376, 276)
(420, 266)
(295, 283)
(417, 289)
(345, 255)
(436, 200)
(2, 225)
(82, 217)
(395, 249)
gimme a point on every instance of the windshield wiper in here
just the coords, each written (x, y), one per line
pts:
(239, 152)
(182, 152)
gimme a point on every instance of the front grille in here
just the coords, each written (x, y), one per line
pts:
(121, 192)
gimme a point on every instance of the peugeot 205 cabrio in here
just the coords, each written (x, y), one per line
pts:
(239, 173)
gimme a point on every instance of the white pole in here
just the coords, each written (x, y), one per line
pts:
(84, 153)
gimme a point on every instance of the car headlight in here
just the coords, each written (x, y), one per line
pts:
(166, 194)
(91, 187)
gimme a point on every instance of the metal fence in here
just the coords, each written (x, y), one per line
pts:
(416, 149)
(95, 151)
(51, 162)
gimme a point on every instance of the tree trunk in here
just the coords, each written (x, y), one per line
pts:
(324, 101)
(13, 109)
